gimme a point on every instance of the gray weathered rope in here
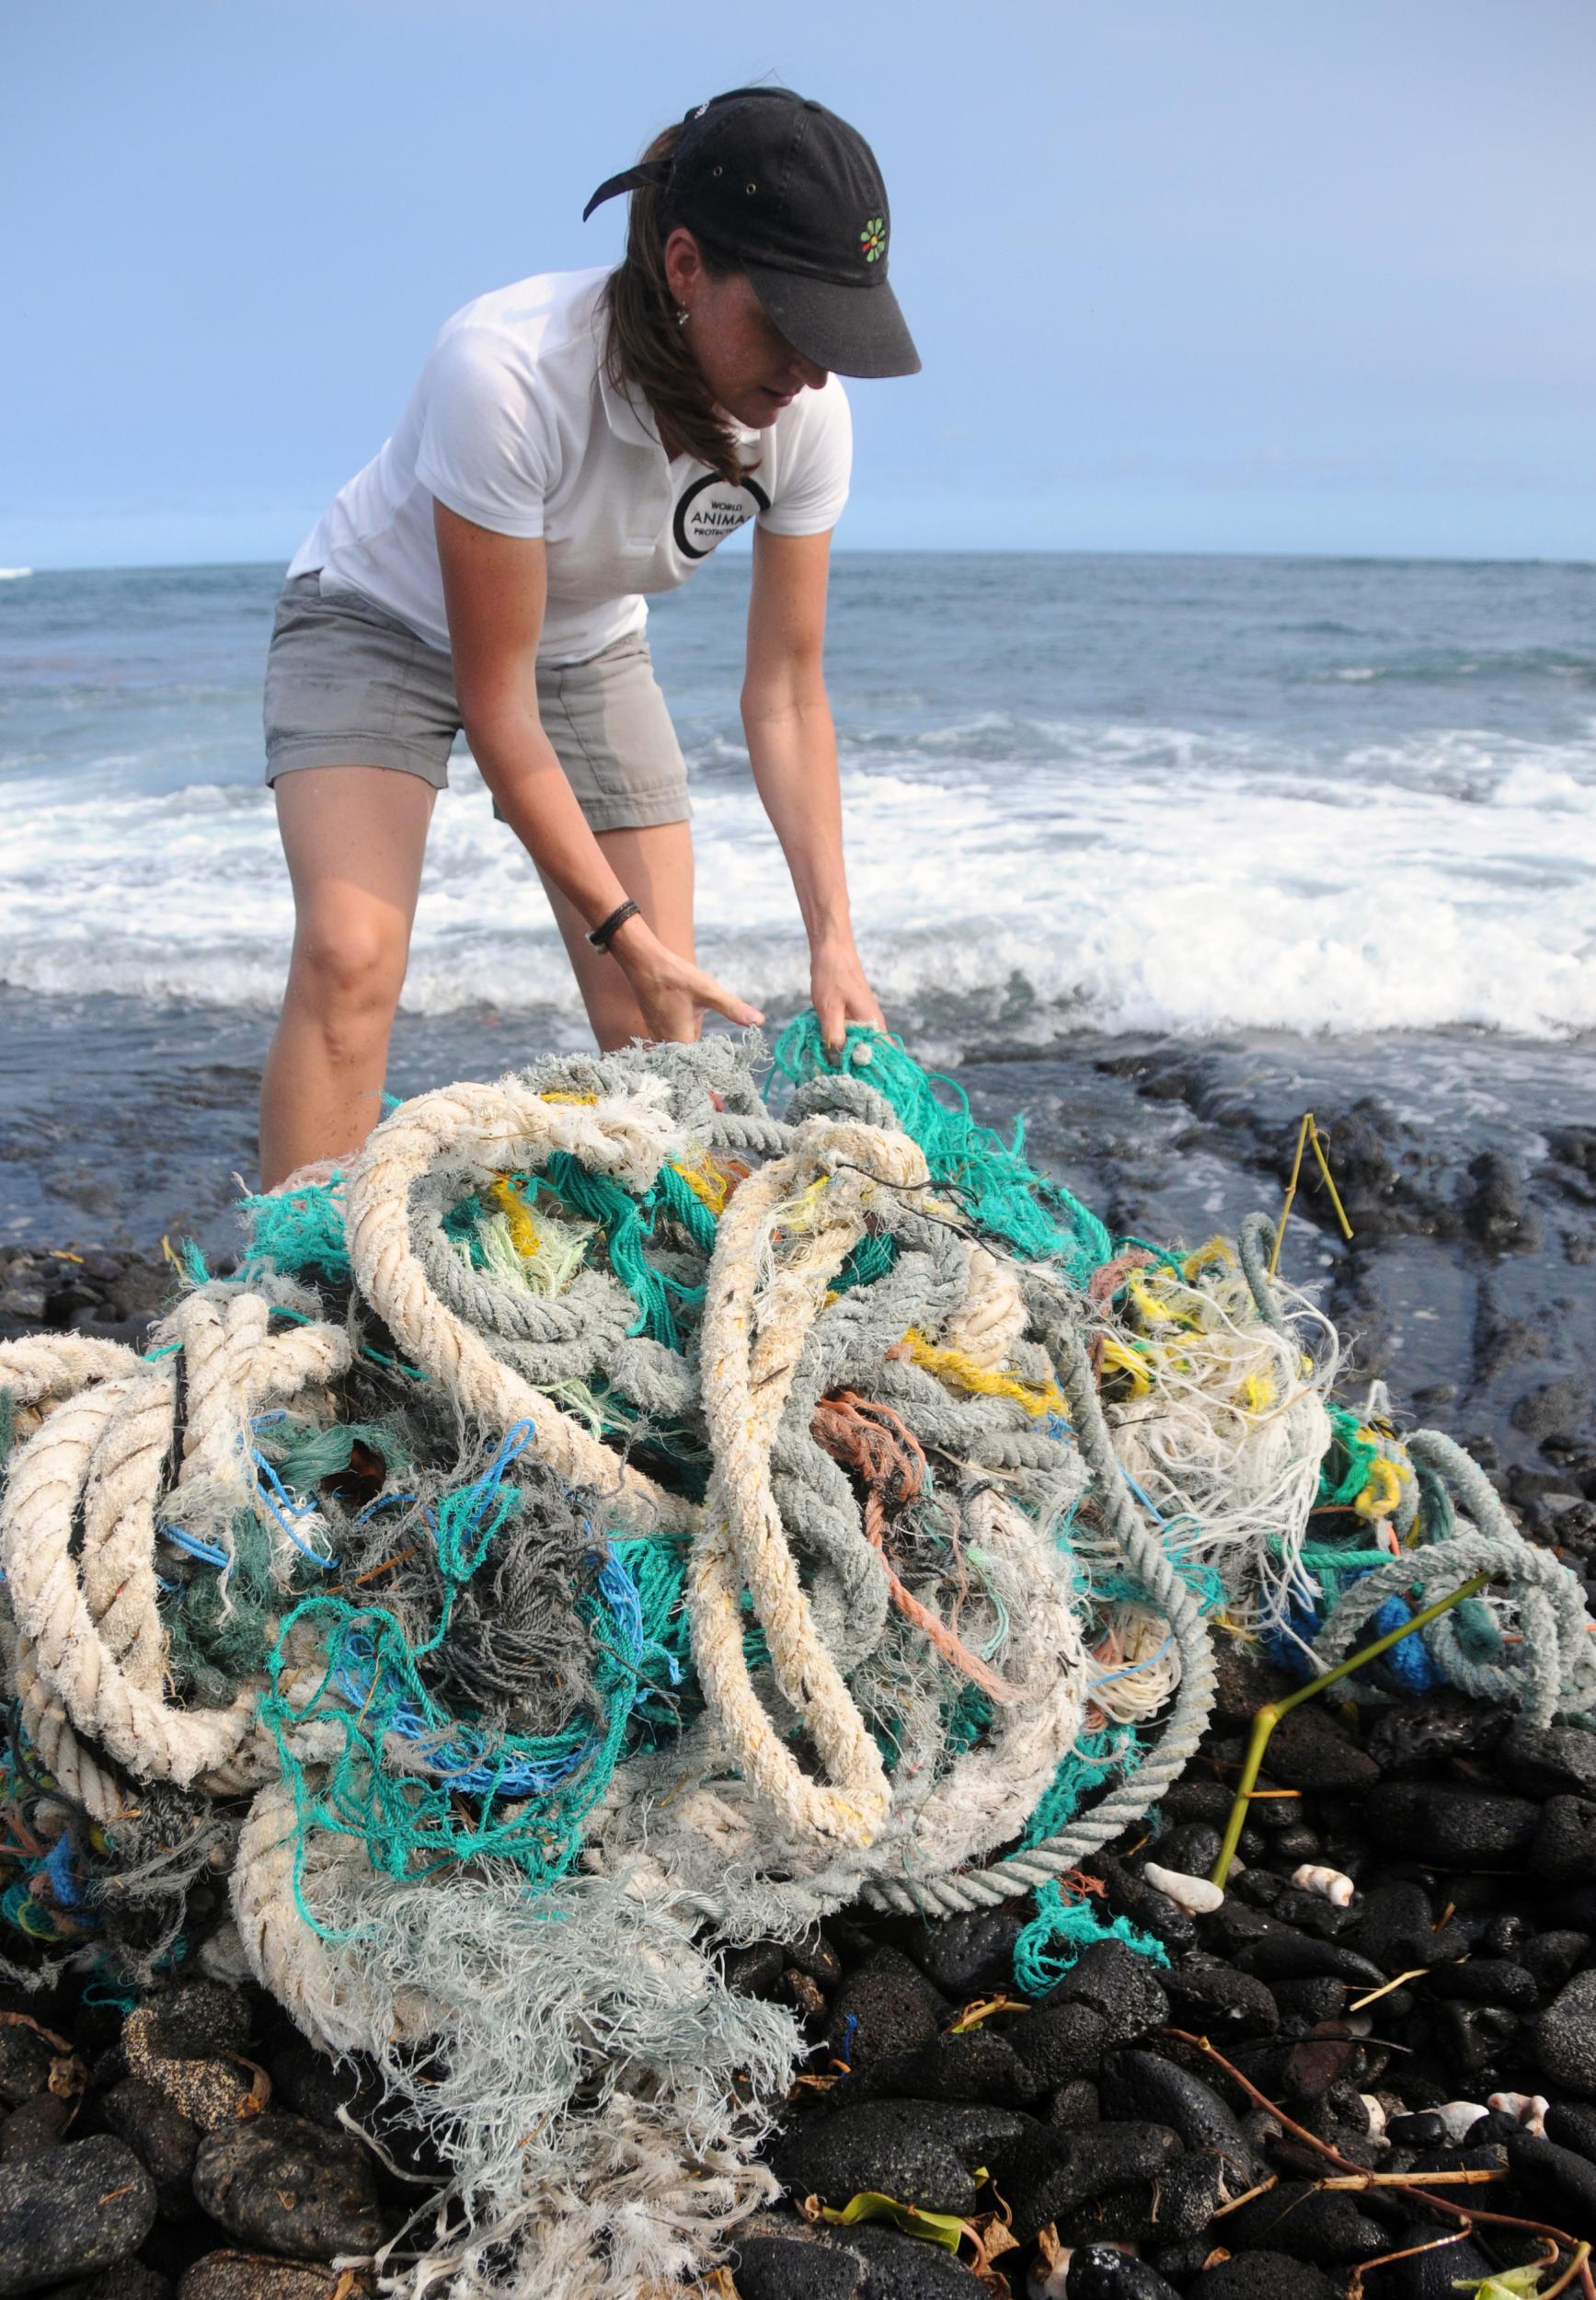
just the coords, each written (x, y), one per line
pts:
(1144, 1557)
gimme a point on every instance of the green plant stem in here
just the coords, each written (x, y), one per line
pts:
(1270, 1715)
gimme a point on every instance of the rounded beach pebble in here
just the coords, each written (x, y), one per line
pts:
(1565, 2040)
(246, 2276)
(77, 2208)
(291, 2186)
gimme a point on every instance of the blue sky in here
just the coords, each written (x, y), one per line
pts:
(1186, 275)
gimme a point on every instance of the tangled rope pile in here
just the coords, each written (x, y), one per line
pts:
(614, 1521)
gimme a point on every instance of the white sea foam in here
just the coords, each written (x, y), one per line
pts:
(1132, 877)
(13, 574)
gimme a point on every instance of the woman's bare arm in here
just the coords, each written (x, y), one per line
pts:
(792, 746)
(494, 589)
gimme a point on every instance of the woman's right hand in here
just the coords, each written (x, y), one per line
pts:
(673, 992)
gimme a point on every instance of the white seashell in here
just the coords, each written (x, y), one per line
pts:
(1530, 2108)
(1196, 1895)
(1328, 1883)
(1458, 2117)
(1375, 2108)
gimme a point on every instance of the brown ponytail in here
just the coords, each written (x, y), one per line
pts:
(645, 346)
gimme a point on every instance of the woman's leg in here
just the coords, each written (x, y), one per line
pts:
(655, 866)
(354, 838)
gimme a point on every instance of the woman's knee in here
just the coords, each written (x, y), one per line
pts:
(349, 968)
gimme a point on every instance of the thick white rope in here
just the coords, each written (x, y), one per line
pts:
(479, 1132)
(749, 1362)
(90, 1655)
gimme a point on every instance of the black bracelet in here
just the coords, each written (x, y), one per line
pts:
(605, 932)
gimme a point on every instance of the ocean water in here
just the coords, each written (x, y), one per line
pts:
(1086, 797)
(1114, 793)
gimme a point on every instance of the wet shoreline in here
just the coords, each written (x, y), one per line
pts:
(1466, 1160)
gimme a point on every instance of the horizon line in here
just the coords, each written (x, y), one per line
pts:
(934, 550)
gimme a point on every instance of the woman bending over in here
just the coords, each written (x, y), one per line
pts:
(576, 442)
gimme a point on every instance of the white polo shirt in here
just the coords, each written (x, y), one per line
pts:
(515, 426)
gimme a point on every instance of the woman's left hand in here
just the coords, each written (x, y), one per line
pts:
(840, 992)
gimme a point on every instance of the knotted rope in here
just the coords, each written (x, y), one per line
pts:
(856, 1501)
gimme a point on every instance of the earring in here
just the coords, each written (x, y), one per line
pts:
(683, 316)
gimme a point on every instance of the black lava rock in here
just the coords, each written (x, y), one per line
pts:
(1312, 1749)
(1297, 1957)
(790, 2260)
(1101, 2272)
(1263, 2276)
(1548, 1760)
(965, 1954)
(290, 2186)
(923, 2152)
(1146, 2087)
(1119, 1984)
(1552, 1958)
(162, 2139)
(38, 2125)
(1214, 1997)
(1556, 2172)
(1129, 1893)
(250, 2276)
(1395, 1930)
(25, 2064)
(1566, 2037)
(757, 1969)
(1564, 1852)
(1245, 1680)
(1310, 2223)
(1452, 1827)
(1184, 2198)
(1193, 1799)
(1486, 1981)
(129, 2280)
(1073, 2105)
(905, 2268)
(1191, 1850)
(71, 2212)
(813, 1956)
(1431, 2272)
(1085, 2165)
(1418, 1736)
(1472, 2041)
(1058, 2043)
(199, 2021)
(1572, 2125)
(978, 2066)
(1312, 2001)
(886, 2005)
(312, 2084)
(1422, 2130)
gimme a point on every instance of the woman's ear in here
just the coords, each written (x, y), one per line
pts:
(683, 265)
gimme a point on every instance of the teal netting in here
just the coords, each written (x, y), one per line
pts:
(1085, 1769)
(1060, 1932)
(303, 1236)
(1002, 1194)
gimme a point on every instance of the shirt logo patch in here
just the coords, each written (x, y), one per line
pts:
(873, 238)
(711, 508)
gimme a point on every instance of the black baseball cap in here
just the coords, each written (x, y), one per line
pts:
(795, 194)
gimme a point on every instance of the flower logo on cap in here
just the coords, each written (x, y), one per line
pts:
(873, 238)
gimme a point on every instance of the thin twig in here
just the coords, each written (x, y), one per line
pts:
(1270, 1715)
(1419, 2193)
(1413, 2252)
(1375, 1995)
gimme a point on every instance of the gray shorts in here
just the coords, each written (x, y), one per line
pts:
(349, 685)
